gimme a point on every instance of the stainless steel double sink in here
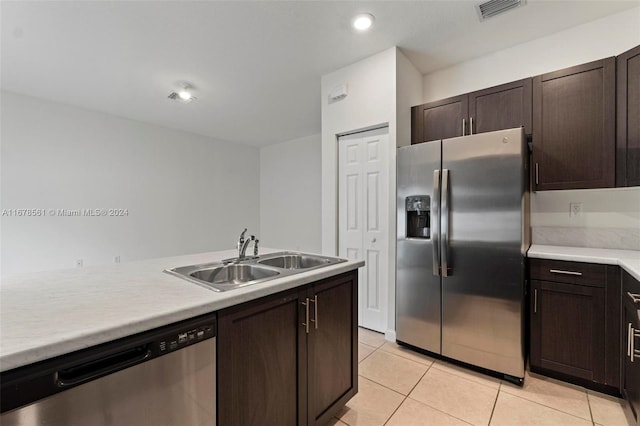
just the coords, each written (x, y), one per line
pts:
(236, 273)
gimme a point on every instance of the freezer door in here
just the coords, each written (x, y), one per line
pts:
(483, 191)
(417, 281)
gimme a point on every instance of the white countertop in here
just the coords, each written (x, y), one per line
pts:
(46, 314)
(629, 260)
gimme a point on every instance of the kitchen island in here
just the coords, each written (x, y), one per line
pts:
(51, 314)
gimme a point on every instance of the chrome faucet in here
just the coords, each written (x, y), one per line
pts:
(243, 244)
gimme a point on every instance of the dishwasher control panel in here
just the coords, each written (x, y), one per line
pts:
(183, 338)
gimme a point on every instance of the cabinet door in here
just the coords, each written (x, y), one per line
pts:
(501, 107)
(439, 120)
(631, 377)
(262, 362)
(333, 337)
(567, 329)
(574, 127)
(628, 119)
(631, 342)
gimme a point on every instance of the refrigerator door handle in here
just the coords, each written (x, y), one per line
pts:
(435, 222)
(444, 223)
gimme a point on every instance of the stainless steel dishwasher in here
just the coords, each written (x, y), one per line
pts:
(165, 376)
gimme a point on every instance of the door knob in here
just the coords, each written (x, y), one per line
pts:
(373, 240)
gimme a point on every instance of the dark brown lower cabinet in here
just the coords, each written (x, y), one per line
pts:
(631, 347)
(289, 358)
(567, 329)
(333, 346)
(575, 323)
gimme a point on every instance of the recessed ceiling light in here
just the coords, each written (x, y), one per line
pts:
(363, 21)
(184, 94)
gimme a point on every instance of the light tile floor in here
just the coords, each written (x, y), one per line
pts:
(400, 387)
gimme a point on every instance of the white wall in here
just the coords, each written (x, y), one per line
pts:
(408, 94)
(371, 102)
(595, 40)
(382, 88)
(610, 218)
(290, 195)
(601, 208)
(185, 193)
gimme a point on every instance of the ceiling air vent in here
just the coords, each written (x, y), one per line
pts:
(492, 8)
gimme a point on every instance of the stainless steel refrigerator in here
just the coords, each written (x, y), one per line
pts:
(462, 236)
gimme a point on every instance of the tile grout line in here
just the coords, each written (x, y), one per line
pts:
(440, 411)
(495, 402)
(396, 410)
(427, 370)
(406, 357)
(468, 379)
(427, 405)
(370, 353)
(590, 410)
(407, 395)
(433, 362)
(549, 407)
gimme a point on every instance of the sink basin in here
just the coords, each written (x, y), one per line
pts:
(233, 274)
(223, 277)
(296, 261)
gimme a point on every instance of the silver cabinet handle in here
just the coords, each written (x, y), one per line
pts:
(536, 173)
(559, 271)
(535, 300)
(470, 125)
(635, 298)
(306, 315)
(315, 311)
(632, 349)
(629, 341)
(435, 222)
(464, 124)
(444, 218)
(632, 335)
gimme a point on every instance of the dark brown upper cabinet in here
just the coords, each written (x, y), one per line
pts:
(439, 120)
(628, 118)
(574, 127)
(497, 108)
(501, 107)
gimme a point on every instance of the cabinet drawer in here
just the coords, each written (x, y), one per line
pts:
(568, 272)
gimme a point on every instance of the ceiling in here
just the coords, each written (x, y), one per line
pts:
(255, 66)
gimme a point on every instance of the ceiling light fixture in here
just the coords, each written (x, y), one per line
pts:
(363, 21)
(184, 94)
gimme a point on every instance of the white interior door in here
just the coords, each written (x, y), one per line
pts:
(364, 227)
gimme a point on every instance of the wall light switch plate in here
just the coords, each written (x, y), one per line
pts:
(575, 209)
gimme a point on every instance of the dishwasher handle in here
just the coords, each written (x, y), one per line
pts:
(96, 368)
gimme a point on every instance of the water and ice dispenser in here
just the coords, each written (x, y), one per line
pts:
(418, 211)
